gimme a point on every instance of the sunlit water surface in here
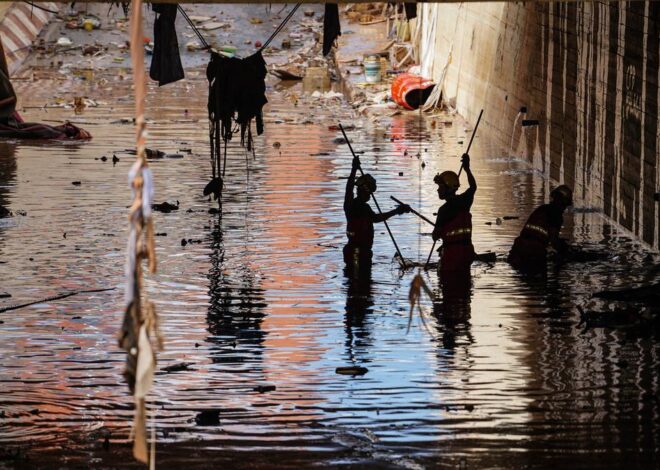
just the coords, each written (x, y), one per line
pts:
(262, 298)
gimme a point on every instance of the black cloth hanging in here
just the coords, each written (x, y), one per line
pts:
(166, 63)
(237, 93)
(411, 10)
(331, 26)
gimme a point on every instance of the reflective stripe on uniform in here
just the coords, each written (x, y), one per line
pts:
(459, 231)
(537, 228)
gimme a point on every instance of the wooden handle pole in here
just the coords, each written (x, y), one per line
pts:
(373, 196)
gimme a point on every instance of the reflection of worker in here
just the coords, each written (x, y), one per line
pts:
(360, 218)
(542, 229)
(454, 224)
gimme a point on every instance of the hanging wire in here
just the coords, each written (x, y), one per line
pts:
(194, 27)
(280, 27)
(34, 5)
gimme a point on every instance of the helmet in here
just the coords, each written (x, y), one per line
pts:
(563, 193)
(367, 181)
(447, 178)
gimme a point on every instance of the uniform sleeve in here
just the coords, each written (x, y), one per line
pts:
(467, 199)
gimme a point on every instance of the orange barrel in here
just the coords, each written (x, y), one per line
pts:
(410, 90)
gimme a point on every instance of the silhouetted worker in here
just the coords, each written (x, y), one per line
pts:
(7, 94)
(12, 125)
(454, 226)
(529, 250)
(360, 219)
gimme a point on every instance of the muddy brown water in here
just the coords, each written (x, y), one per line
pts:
(509, 379)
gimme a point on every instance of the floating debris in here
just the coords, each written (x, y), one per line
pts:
(351, 370)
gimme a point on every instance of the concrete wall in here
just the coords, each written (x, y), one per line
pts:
(588, 71)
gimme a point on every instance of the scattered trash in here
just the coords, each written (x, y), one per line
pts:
(284, 74)
(64, 41)
(165, 207)
(352, 370)
(178, 367)
(153, 154)
(215, 25)
(194, 46)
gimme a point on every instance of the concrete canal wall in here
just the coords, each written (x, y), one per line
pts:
(587, 71)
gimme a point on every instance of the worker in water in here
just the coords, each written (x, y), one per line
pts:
(360, 219)
(454, 224)
(12, 125)
(7, 94)
(529, 250)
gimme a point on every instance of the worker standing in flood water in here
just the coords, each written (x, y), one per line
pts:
(529, 250)
(360, 219)
(453, 225)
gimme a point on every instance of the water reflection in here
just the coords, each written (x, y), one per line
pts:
(236, 306)
(262, 301)
(359, 305)
(453, 309)
(7, 173)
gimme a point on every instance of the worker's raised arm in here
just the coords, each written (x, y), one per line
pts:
(350, 184)
(465, 159)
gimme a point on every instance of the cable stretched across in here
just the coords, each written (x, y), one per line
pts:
(280, 27)
(194, 28)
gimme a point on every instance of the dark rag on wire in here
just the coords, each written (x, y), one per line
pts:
(237, 92)
(166, 63)
(331, 26)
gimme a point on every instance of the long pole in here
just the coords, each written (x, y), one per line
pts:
(474, 132)
(413, 211)
(373, 196)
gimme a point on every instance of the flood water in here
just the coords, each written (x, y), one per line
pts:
(508, 379)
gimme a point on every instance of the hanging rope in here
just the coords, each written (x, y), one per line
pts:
(140, 320)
